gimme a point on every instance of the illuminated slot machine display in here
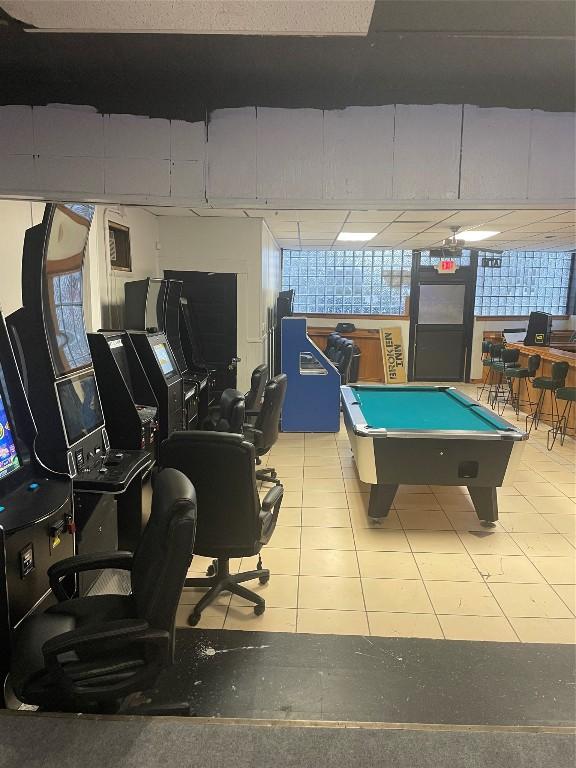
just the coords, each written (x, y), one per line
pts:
(52, 348)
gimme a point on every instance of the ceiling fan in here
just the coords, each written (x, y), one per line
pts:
(453, 246)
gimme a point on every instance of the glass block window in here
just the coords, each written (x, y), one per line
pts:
(526, 281)
(348, 282)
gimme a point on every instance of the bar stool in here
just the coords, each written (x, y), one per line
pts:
(494, 358)
(486, 360)
(522, 375)
(548, 384)
(508, 361)
(568, 394)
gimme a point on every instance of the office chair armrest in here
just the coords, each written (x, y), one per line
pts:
(251, 434)
(98, 641)
(269, 511)
(272, 498)
(89, 562)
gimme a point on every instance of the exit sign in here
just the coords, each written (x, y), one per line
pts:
(446, 266)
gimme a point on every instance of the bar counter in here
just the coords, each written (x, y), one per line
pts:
(549, 356)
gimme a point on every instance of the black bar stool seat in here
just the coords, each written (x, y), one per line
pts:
(548, 384)
(560, 427)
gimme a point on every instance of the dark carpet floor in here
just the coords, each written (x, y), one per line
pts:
(370, 679)
(37, 741)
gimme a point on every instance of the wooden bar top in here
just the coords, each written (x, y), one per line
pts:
(547, 353)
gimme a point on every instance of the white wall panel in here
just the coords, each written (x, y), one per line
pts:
(495, 153)
(231, 171)
(134, 136)
(137, 177)
(427, 152)
(68, 132)
(16, 132)
(187, 179)
(83, 175)
(187, 140)
(17, 174)
(358, 153)
(552, 159)
(290, 146)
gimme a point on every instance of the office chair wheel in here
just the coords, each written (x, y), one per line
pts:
(194, 618)
(259, 609)
(264, 579)
(273, 474)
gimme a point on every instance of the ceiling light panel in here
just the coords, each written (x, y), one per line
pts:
(356, 237)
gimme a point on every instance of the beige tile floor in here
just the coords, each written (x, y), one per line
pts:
(429, 570)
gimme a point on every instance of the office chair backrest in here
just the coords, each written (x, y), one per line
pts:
(343, 365)
(509, 356)
(533, 364)
(221, 467)
(232, 410)
(331, 340)
(496, 351)
(163, 556)
(268, 421)
(258, 381)
(559, 372)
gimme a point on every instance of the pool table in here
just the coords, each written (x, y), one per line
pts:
(428, 435)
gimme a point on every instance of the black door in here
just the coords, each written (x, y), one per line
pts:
(441, 320)
(212, 308)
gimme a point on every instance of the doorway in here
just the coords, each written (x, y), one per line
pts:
(213, 313)
(442, 316)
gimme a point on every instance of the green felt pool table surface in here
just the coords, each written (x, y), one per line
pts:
(424, 408)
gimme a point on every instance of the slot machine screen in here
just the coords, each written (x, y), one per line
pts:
(80, 406)
(9, 459)
(164, 358)
(62, 295)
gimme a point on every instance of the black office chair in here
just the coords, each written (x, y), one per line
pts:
(331, 345)
(345, 359)
(228, 415)
(263, 433)
(90, 653)
(232, 521)
(219, 414)
(255, 394)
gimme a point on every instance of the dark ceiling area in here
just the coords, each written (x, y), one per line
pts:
(505, 53)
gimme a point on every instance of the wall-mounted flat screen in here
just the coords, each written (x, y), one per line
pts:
(9, 459)
(164, 358)
(63, 308)
(80, 406)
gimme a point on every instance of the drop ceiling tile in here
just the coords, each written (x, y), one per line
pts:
(425, 216)
(319, 229)
(234, 212)
(472, 218)
(364, 226)
(544, 226)
(298, 215)
(159, 210)
(569, 217)
(373, 216)
(521, 217)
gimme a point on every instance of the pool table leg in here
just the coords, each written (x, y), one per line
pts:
(381, 498)
(485, 502)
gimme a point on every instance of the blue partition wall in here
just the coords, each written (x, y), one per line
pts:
(312, 401)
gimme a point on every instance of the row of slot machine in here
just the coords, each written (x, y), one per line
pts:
(82, 414)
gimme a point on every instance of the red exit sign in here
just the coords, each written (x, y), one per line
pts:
(446, 266)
